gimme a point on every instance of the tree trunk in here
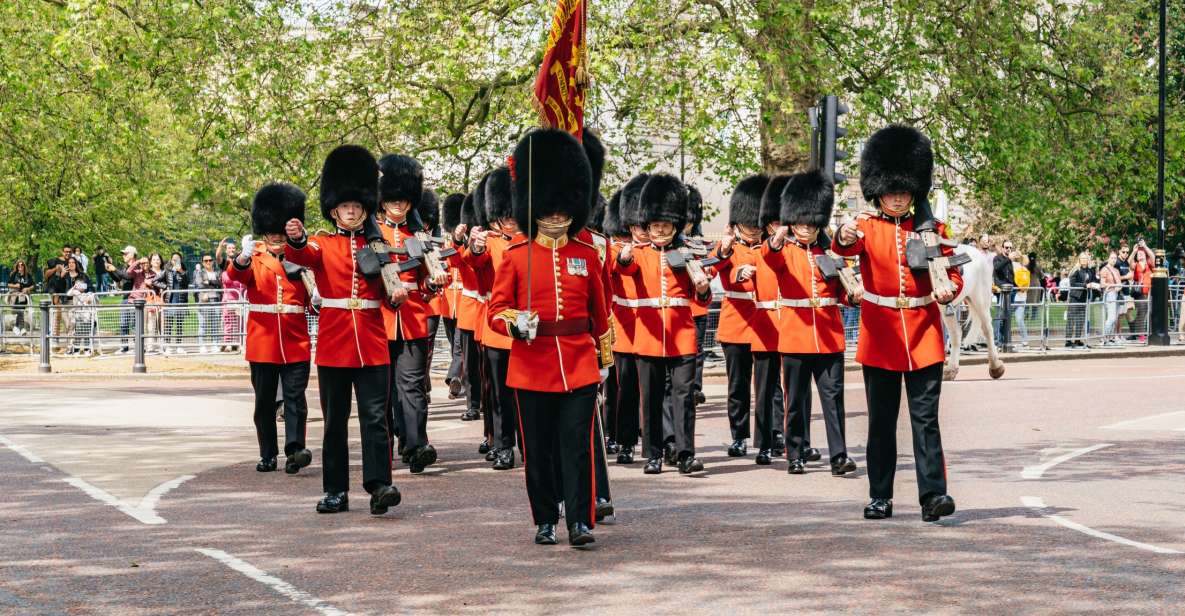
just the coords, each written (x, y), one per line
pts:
(786, 56)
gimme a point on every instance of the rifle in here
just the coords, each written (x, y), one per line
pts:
(431, 251)
(926, 254)
(834, 266)
(693, 256)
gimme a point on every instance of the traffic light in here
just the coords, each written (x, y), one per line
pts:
(824, 150)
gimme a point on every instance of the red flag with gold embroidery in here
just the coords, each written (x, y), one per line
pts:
(563, 76)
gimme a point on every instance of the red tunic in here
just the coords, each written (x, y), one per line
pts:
(565, 286)
(277, 329)
(346, 338)
(410, 320)
(487, 265)
(664, 326)
(806, 329)
(469, 299)
(622, 290)
(739, 307)
(891, 338)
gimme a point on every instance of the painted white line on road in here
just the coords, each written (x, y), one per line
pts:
(280, 586)
(148, 503)
(1173, 421)
(1035, 472)
(21, 451)
(105, 497)
(1038, 505)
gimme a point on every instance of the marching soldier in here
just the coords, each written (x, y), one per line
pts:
(901, 335)
(429, 213)
(471, 305)
(487, 257)
(627, 229)
(277, 330)
(450, 300)
(351, 339)
(401, 189)
(691, 230)
(748, 328)
(556, 315)
(811, 339)
(664, 337)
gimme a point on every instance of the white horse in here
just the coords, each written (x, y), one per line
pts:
(977, 293)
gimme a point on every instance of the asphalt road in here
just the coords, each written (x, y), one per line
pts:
(126, 497)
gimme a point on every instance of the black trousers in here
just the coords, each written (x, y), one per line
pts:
(826, 370)
(471, 360)
(883, 389)
(738, 365)
(456, 363)
(502, 412)
(701, 335)
(558, 443)
(627, 416)
(370, 385)
(609, 408)
(748, 371)
(292, 379)
(652, 375)
(408, 406)
(600, 464)
(433, 327)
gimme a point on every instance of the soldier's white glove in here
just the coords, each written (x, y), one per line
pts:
(316, 299)
(604, 374)
(244, 256)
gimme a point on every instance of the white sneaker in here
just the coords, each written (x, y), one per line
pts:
(181, 350)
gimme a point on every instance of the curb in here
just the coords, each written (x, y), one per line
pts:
(1035, 356)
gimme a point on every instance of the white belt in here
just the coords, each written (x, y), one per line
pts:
(815, 302)
(899, 303)
(769, 305)
(470, 293)
(349, 303)
(652, 302)
(745, 295)
(276, 308)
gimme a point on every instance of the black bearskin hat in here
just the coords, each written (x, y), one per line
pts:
(475, 215)
(429, 209)
(497, 195)
(695, 208)
(744, 207)
(451, 212)
(563, 179)
(402, 179)
(664, 198)
(596, 218)
(611, 225)
(595, 150)
(628, 211)
(771, 200)
(896, 159)
(807, 199)
(350, 173)
(274, 205)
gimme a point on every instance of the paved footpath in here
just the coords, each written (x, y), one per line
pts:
(140, 497)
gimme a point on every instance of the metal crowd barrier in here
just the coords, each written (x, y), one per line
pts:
(113, 324)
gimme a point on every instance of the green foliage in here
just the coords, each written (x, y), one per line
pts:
(154, 122)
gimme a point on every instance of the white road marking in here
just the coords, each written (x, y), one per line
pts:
(1173, 421)
(148, 503)
(21, 451)
(144, 512)
(1038, 505)
(1035, 472)
(280, 586)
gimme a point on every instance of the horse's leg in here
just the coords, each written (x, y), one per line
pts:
(955, 332)
(979, 311)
